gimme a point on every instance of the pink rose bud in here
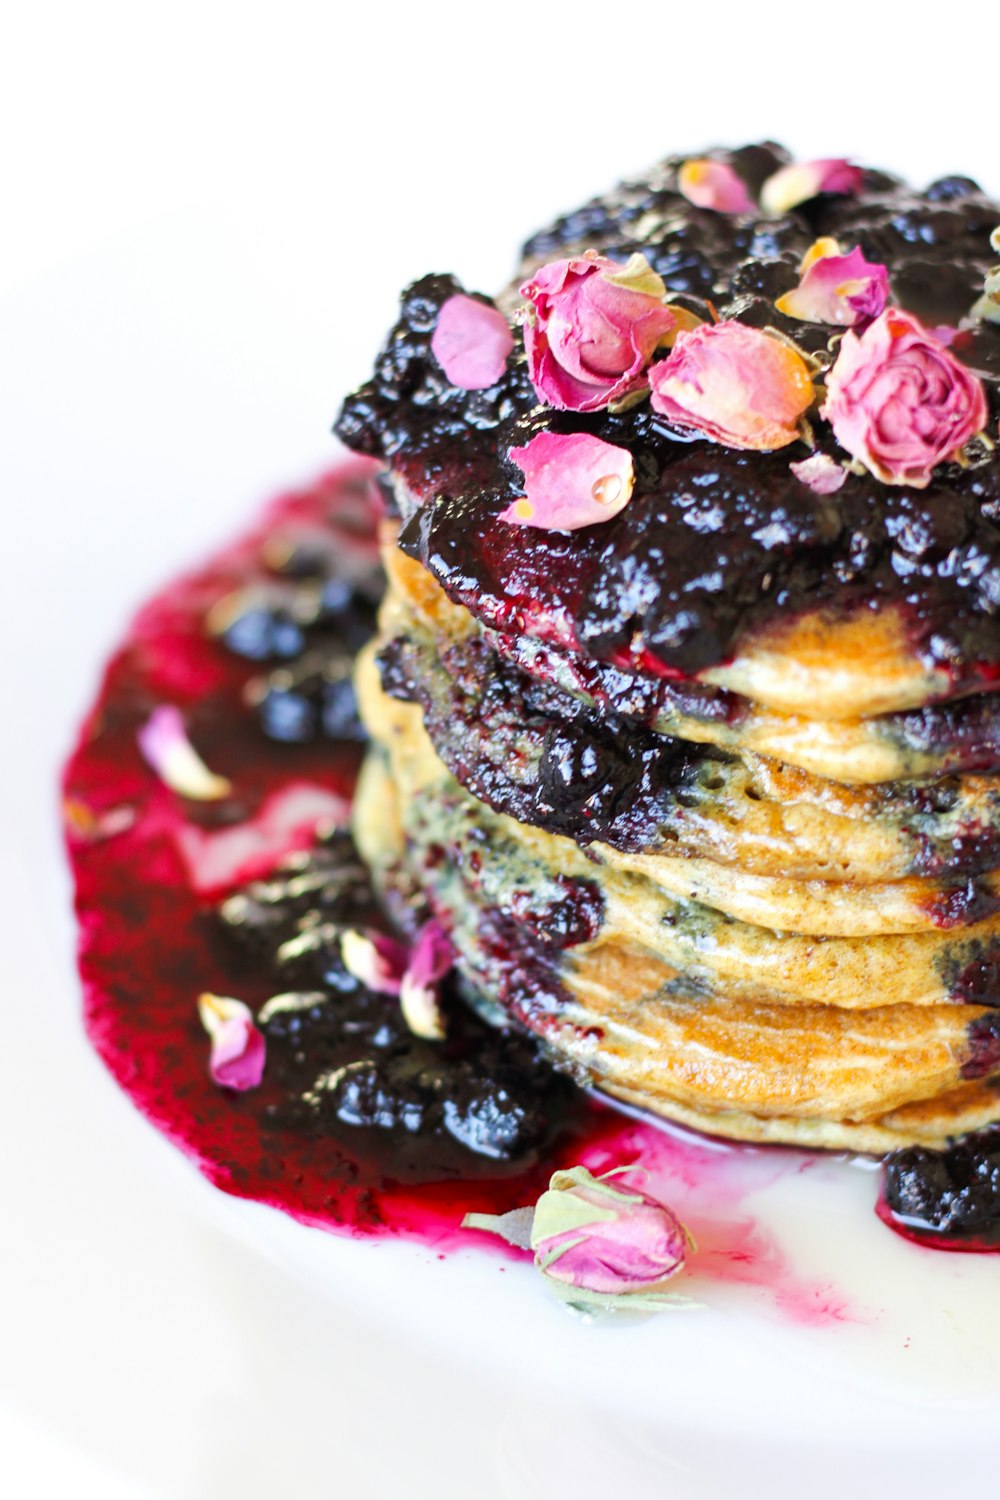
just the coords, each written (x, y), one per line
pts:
(591, 328)
(570, 480)
(900, 402)
(737, 385)
(598, 1241)
(835, 288)
(713, 184)
(238, 1049)
(471, 342)
(800, 181)
(820, 473)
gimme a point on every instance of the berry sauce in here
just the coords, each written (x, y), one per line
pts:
(357, 1127)
(716, 543)
(945, 1198)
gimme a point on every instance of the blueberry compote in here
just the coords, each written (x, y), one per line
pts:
(716, 543)
(946, 1198)
(357, 1125)
(342, 1055)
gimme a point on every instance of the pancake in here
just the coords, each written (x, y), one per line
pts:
(937, 740)
(499, 734)
(941, 739)
(715, 953)
(809, 1074)
(707, 790)
(724, 569)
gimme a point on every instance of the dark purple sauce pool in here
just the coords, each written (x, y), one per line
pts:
(356, 1127)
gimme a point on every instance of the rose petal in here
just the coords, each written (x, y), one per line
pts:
(800, 181)
(987, 307)
(421, 1009)
(835, 288)
(165, 746)
(419, 997)
(377, 961)
(285, 822)
(715, 185)
(292, 1001)
(570, 480)
(471, 342)
(239, 1050)
(734, 384)
(86, 826)
(820, 473)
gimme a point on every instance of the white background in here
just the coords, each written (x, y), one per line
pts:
(206, 212)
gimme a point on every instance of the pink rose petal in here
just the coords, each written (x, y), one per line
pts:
(591, 328)
(377, 961)
(86, 826)
(239, 1051)
(735, 384)
(570, 480)
(838, 289)
(900, 402)
(471, 342)
(713, 184)
(285, 822)
(420, 1001)
(820, 473)
(166, 748)
(800, 181)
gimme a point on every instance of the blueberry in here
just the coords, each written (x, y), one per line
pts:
(954, 1193)
(946, 189)
(262, 634)
(288, 716)
(366, 1095)
(492, 1122)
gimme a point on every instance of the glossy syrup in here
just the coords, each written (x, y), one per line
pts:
(151, 870)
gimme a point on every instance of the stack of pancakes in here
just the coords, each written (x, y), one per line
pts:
(729, 840)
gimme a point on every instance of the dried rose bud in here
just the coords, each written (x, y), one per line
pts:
(900, 402)
(598, 1242)
(471, 342)
(570, 480)
(239, 1050)
(166, 748)
(591, 328)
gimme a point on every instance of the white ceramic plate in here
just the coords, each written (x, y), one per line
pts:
(162, 1340)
